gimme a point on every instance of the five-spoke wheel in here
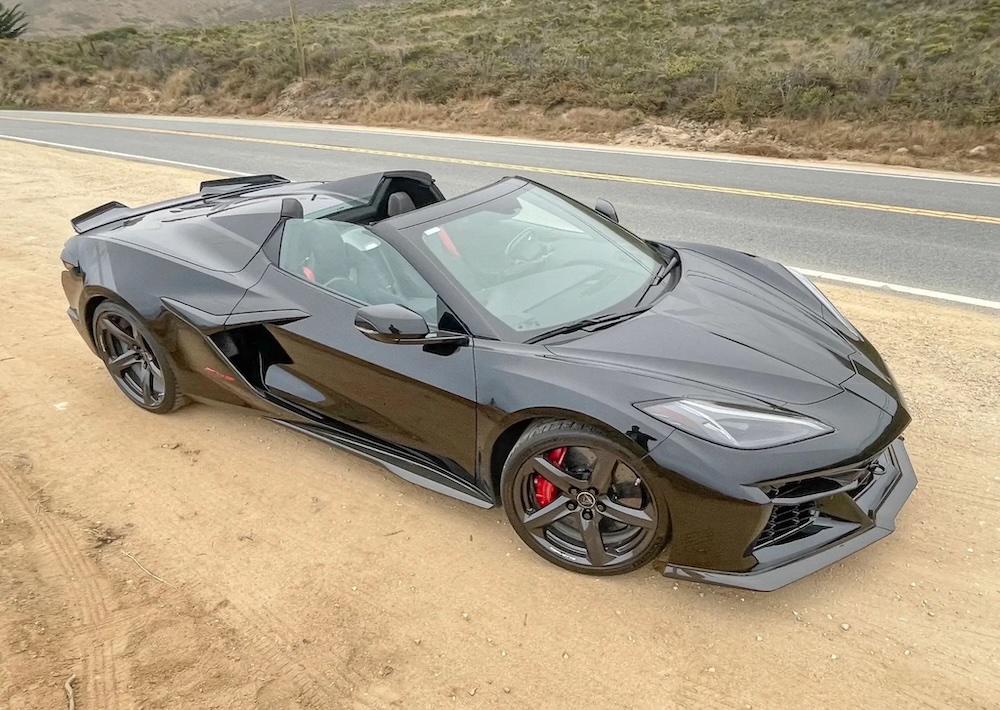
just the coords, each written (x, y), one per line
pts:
(134, 359)
(579, 500)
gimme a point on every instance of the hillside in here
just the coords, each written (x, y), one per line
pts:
(899, 81)
(75, 17)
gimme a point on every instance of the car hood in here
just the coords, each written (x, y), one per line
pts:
(726, 329)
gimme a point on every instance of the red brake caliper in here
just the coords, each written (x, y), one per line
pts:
(546, 492)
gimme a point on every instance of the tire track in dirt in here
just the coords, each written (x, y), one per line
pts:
(271, 632)
(302, 679)
(267, 631)
(277, 662)
(78, 573)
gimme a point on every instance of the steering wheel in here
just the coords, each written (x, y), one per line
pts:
(338, 283)
(524, 239)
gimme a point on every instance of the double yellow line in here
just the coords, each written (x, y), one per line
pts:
(612, 177)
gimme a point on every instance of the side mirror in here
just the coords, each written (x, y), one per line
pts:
(393, 323)
(607, 209)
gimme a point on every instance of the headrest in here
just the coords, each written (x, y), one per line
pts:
(400, 202)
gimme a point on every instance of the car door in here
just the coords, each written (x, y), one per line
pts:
(422, 398)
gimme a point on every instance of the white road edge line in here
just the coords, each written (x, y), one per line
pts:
(653, 152)
(909, 290)
(128, 156)
(811, 273)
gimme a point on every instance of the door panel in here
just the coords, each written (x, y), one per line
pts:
(399, 393)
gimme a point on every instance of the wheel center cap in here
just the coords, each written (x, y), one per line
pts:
(586, 499)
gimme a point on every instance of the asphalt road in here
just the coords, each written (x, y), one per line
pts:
(919, 230)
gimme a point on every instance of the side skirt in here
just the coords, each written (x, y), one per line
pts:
(437, 480)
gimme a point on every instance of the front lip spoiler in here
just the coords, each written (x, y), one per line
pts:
(884, 512)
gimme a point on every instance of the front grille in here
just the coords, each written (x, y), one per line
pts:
(786, 520)
(796, 504)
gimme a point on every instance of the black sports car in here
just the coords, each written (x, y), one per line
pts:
(622, 398)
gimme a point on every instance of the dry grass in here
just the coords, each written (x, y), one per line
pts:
(901, 83)
(74, 17)
(483, 115)
(926, 144)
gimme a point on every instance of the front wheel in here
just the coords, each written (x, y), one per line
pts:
(135, 360)
(580, 500)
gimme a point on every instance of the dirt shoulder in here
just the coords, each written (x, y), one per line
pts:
(210, 559)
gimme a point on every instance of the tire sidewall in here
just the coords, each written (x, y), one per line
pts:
(530, 446)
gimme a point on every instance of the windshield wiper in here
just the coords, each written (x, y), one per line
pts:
(659, 277)
(595, 323)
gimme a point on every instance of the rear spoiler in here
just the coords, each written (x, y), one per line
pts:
(105, 214)
(233, 184)
(114, 211)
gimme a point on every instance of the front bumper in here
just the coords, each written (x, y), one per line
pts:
(854, 522)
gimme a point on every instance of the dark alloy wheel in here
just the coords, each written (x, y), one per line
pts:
(134, 359)
(580, 501)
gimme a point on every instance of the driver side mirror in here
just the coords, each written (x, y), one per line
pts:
(607, 209)
(396, 324)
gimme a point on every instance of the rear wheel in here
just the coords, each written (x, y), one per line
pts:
(135, 360)
(582, 501)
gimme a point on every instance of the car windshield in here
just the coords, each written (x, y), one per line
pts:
(536, 261)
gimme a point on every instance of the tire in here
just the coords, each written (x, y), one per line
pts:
(136, 361)
(582, 501)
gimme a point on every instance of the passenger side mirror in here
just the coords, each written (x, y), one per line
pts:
(393, 323)
(607, 209)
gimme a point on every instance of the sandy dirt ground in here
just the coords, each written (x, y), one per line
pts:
(214, 560)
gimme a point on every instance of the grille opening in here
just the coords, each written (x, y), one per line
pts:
(786, 521)
(851, 481)
(810, 487)
(796, 504)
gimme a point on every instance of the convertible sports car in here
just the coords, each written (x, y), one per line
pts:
(623, 398)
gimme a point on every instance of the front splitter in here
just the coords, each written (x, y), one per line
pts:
(890, 498)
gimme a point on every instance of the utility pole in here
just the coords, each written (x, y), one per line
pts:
(293, 6)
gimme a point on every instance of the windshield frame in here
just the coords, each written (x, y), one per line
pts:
(413, 230)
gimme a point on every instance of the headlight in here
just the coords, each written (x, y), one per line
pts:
(804, 280)
(736, 427)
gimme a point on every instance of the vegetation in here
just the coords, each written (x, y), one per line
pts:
(75, 17)
(746, 61)
(13, 22)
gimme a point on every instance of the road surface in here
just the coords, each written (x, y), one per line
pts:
(920, 230)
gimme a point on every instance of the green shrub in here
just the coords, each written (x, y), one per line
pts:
(981, 29)
(13, 22)
(813, 99)
(115, 35)
(936, 50)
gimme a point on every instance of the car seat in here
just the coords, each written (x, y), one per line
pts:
(328, 262)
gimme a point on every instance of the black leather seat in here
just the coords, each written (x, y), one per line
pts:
(329, 260)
